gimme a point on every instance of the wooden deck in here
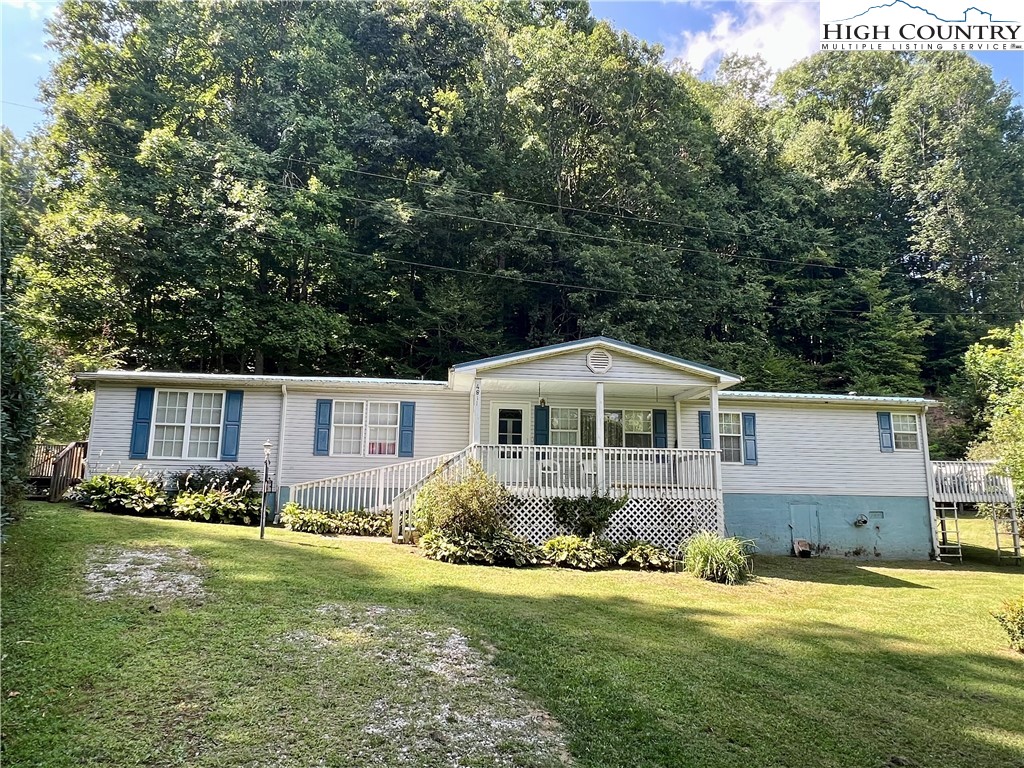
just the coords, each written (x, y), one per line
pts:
(53, 468)
(970, 482)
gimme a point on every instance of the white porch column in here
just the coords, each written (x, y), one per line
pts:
(716, 446)
(599, 433)
(476, 406)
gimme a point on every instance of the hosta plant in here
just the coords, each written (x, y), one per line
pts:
(645, 556)
(121, 494)
(351, 523)
(585, 554)
(500, 548)
(218, 505)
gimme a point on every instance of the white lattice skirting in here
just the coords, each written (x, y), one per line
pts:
(665, 522)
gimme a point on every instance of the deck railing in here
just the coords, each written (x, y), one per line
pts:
(40, 463)
(970, 482)
(370, 489)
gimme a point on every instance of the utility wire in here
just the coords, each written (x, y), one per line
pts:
(490, 195)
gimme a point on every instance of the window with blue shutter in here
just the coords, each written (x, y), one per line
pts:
(232, 430)
(749, 438)
(660, 422)
(141, 423)
(541, 424)
(406, 428)
(885, 443)
(322, 429)
(705, 431)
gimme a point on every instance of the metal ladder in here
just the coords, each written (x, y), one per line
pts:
(1008, 546)
(947, 526)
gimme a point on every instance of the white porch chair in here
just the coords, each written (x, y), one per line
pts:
(550, 473)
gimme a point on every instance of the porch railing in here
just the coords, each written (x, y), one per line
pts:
(534, 470)
(970, 482)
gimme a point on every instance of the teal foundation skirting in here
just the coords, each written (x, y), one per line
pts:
(893, 527)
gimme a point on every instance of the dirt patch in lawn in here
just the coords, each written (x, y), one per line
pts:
(152, 574)
(439, 700)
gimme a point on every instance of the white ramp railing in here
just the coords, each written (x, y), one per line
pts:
(369, 489)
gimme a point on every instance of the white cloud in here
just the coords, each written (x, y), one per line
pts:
(35, 8)
(781, 32)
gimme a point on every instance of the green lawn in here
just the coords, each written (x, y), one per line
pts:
(307, 651)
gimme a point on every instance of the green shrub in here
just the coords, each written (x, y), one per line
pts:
(709, 556)
(204, 477)
(121, 494)
(587, 515)
(498, 548)
(646, 557)
(351, 523)
(585, 554)
(218, 505)
(1011, 616)
(22, 399)
(472, 503)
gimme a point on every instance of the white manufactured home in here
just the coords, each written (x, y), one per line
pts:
(844, 475)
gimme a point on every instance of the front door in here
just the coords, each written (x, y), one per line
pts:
(510, 422)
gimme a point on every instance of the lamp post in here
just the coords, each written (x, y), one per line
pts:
(266, 481)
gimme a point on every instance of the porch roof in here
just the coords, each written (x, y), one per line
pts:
(471, 368)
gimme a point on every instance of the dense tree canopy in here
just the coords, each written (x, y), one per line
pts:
(391, 187)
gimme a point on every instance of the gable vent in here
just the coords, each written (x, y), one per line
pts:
(599, 361)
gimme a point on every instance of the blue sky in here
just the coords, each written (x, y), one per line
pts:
(697, 32)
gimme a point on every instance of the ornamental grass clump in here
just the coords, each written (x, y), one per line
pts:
(1011, 616)
(711, 557)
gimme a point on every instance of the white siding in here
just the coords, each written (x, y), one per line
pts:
(572, 366)
(816, 449)
(442, 426)
(573, 401)
(114, 411)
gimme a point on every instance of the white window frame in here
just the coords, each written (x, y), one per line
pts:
(364, 442)
(916, 432)
(188, 424)
(619, 410)
(722, 434)
(576, 431)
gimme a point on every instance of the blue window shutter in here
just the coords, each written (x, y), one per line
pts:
(749, 438)
(322, 434)
(541, 424)
(406, 428)
(232, 425)
(141, 423)
(705, 430)
(885, 432)
(660, 419)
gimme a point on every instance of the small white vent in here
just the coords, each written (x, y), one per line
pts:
(599, 361)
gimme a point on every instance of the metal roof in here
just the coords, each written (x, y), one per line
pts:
(827, 398)
(251, 379)
(594, 340)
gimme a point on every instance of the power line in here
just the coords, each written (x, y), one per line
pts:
(465, 217)
(536, 228)
(535, 281)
